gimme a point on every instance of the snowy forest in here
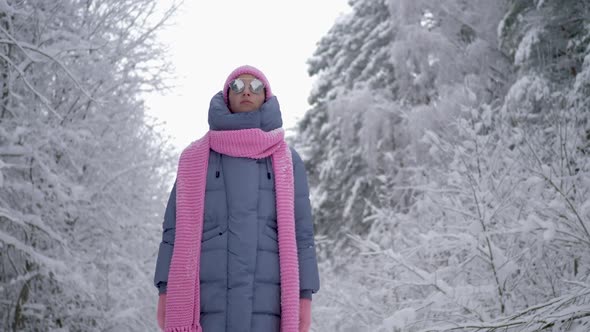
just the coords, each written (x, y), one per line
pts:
(447, 147)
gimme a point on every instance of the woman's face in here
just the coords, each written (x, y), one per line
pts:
(245, 101)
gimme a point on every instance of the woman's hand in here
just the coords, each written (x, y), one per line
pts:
(161, 311)
(304, 315)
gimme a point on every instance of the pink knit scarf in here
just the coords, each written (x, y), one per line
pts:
(183, 298)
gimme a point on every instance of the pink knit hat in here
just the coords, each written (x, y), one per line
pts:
(246, 70)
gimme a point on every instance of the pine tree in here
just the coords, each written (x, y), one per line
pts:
(352, 57)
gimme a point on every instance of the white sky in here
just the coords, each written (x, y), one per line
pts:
(211, 38)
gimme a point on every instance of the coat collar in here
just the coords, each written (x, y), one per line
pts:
(267, 117)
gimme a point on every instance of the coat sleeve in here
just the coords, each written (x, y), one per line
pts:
(167, 244)
(309, 279)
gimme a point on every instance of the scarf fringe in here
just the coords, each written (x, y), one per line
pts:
(184, 329)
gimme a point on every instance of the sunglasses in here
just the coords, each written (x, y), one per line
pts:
(238, 85)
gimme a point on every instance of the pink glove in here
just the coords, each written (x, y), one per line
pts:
(162, 311)
(304, 315)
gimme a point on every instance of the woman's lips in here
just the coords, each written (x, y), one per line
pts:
(245, 101)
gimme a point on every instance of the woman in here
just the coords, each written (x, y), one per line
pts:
(238, 252)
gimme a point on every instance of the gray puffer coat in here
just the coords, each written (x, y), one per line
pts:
(239, 274)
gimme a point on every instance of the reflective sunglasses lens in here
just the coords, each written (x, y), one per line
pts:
(237, 85)
(256, 86)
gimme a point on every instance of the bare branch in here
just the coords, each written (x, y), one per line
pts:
(37, 93)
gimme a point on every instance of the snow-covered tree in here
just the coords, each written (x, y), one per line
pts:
(382, 71)
(83, 172)
(352, 61)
